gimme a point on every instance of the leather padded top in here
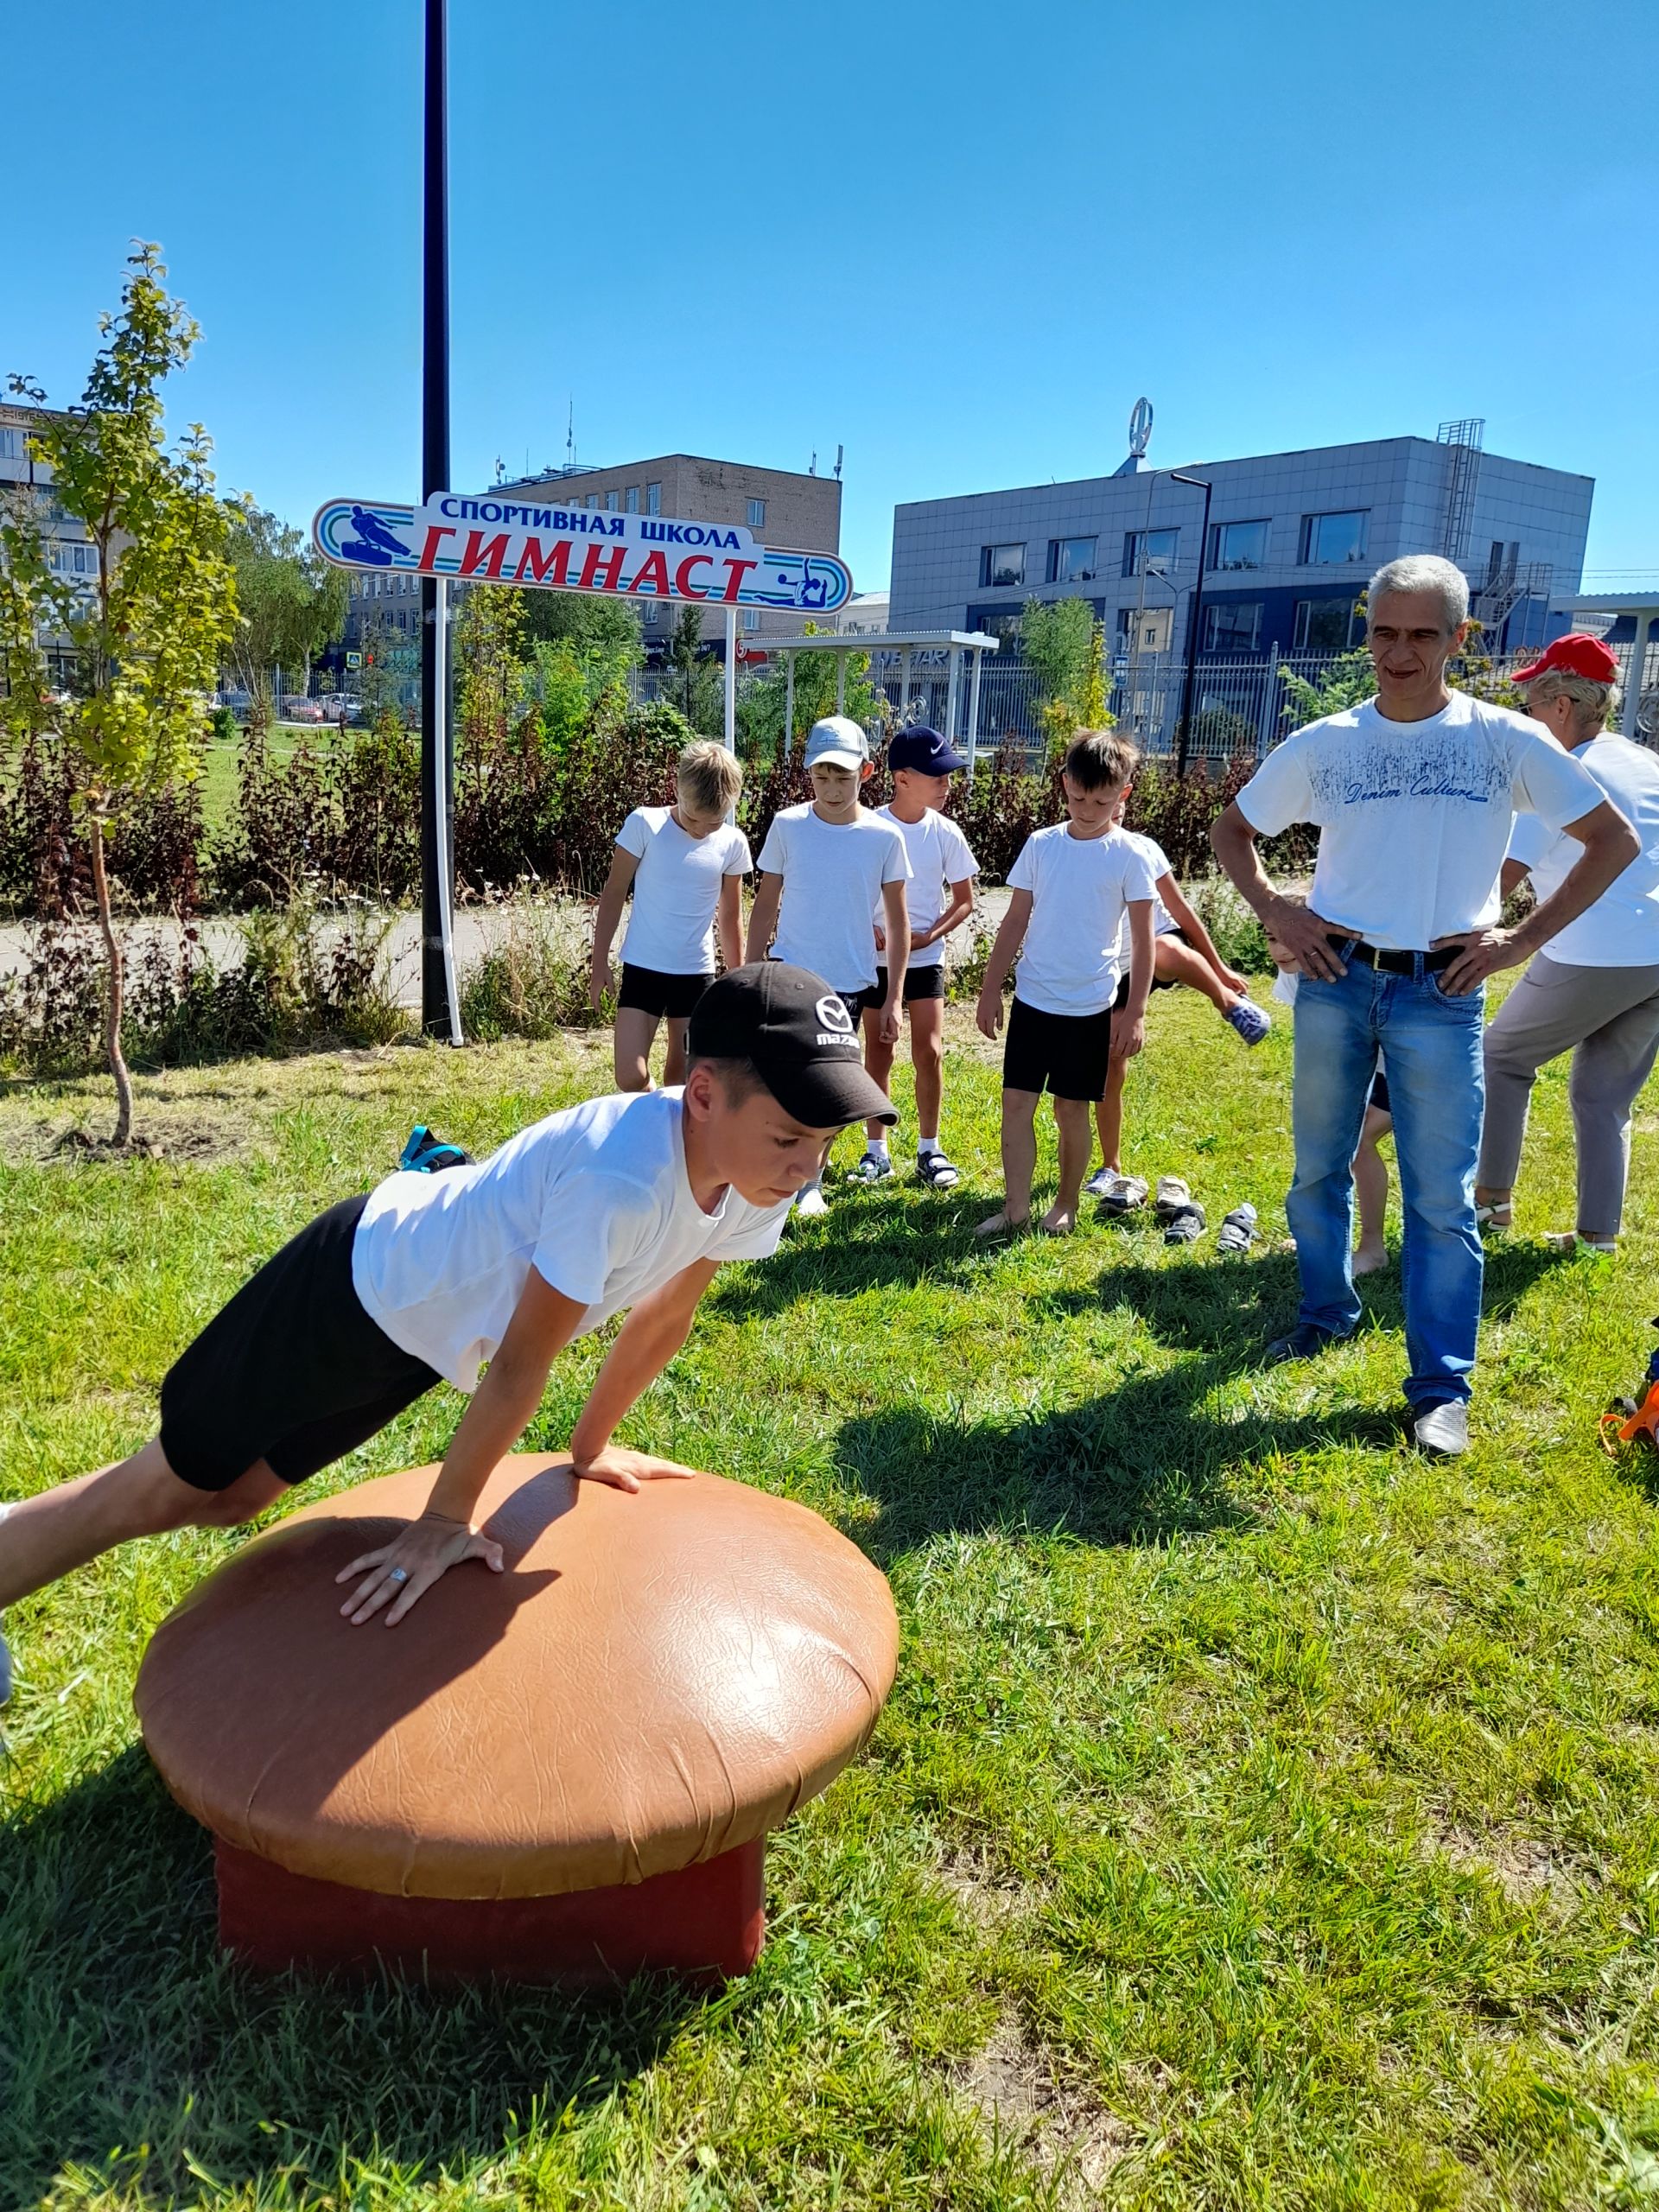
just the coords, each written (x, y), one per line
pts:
(653, 1678)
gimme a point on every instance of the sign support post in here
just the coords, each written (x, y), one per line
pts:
(439, 1013)
(731, 679)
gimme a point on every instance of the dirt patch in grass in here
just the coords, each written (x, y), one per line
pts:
(990, 1896)
(1032, 2101)
(1526, 1868)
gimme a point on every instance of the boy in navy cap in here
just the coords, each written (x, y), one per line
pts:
(940, 897)
(628, 1203)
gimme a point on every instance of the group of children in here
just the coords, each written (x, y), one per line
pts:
(478, 1273)
(866, 898)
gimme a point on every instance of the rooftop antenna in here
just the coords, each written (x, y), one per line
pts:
(812, 465)
(570, 435)
(500, 470)
(840, 450)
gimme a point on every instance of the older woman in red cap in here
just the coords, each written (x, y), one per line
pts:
(1595, 993)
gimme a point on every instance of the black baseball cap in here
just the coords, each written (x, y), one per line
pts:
(925, 752)
(799, 1036)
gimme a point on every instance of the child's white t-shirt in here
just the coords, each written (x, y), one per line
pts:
(676, 887)
(1164, 924)
(939, 856)
(833, 872)
(1080, 891)
(595, 1198)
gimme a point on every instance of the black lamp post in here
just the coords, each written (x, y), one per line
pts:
(437, 757)
(1195, 613)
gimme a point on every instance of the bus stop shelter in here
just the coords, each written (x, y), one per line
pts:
(964, 652)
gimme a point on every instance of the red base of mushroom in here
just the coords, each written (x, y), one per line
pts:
(705, 1922)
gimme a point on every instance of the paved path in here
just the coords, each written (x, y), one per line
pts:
(478, 930)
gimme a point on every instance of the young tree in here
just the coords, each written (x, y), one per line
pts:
(697, 685)
(139, 643)
(292, 603)
(488, 659)
(1059, 641)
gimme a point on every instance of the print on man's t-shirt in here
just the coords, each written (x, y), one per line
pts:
(1348, 771)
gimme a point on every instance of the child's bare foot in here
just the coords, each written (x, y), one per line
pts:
(1368, 1258)
(1058, 1220)
(1002, 1223)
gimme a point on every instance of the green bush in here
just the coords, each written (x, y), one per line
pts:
(533, 984)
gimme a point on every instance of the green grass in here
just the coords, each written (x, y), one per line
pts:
(1262, 1816)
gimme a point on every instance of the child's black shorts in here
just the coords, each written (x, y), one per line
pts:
(292, 1372)
(923, 982)
(648, 990)
(1066, 1053)
(1158, 982)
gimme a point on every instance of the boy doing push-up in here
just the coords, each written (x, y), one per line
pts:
(630, 1202)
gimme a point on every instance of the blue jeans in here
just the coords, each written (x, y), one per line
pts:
(1431, 1046)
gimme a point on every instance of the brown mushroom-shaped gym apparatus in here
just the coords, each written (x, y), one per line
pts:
(562, 1772)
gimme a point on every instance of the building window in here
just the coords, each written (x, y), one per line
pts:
(653, 498)
(757, 514)
(1333, 541)
(1071, 560)
(1001, 567)
(1326, 626)
(11, 445)
(1152, 550)
(610, 503)
(1234, 628)
(648, 614)
(592, 501)
(1145, 629)
(1005, 628)
(1238, 545)
(632, 502)
(751, 618)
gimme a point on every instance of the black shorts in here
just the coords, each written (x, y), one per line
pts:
(923, 982)
(1379, 1093)
(1065, 1053)
(292, 1372)
(1158, 984)
(648, 990)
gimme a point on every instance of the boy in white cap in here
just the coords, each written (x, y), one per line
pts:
(823, 867)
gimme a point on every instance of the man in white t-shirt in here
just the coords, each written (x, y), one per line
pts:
(1595, 993)
(633, 1201)
(686, 864)
(1415, 793)
(939, 897)
(823, 867)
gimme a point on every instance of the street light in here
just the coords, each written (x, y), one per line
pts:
(440, 1015)
(1184, 727)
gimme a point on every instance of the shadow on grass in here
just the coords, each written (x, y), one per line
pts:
(122, 2026)
(868, 1242)
(1139, 1465)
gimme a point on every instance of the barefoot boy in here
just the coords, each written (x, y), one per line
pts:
(823, 867)
(939, 898)
(631, 1202)
(1182, 952)
(1071, 887)
(686, 864)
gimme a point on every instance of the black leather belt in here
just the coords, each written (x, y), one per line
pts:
(1390, 962)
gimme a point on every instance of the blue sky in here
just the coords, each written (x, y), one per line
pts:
(960, 239)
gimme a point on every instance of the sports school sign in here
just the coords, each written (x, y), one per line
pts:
(577, 549)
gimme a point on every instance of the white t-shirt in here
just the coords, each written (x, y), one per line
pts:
(938, 856)
(833, 872)
(595, 1199)
(1080, 889)
(1164, 924)
(1622, 928)
(1414, 817)
(676, 887)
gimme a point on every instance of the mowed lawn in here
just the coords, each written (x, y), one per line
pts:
(1263, 1815)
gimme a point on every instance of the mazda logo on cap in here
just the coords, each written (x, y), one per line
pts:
(832, 1012)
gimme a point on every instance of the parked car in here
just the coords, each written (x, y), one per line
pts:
(302, 710)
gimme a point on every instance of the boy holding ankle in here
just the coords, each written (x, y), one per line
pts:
(1182, 952)
(822, 868)
(1071, 887)
(940, 897)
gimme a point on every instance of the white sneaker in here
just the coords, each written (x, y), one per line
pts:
(1444, 1428)
(810, 1201)
(1099, 1182)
